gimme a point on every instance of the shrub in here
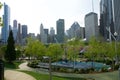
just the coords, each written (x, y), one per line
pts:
(104, 69)
(33, 64)
(82, 71)
(116, 67)
(63, 70)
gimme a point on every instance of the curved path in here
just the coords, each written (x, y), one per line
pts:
(16, 75)
(99, 76)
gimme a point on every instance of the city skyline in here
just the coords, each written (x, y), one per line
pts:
(33, 13)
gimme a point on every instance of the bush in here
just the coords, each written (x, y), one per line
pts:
(116, 67)
(82, 71)
(108, 62)
(76, 71)
(104, 69)
(63, 70)
(90, 70)
(33, 64)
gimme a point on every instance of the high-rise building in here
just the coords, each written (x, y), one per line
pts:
(106, 19)
(6, 23)
(52, 31)
(43, 35)
(32, 35)
(74, 31)
(52, 35)
(91, 26)
(116, 17)
(19, 34)
(60, 30)
(15, 30)
(24, 31)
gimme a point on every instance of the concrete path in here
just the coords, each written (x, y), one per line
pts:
(98, 76)
(16, 75)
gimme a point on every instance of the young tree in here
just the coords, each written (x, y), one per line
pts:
(10, 54)
(1, 24)
(54, 51)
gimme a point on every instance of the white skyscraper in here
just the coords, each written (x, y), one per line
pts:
(91, 26)
(43, 36)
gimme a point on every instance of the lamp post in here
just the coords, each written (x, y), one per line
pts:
(115, 34)
(50, 71)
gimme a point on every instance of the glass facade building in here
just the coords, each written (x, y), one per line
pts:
(6, 23)
(60, 30)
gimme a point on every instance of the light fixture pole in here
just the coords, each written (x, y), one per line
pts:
(115, 34)
(50, 70)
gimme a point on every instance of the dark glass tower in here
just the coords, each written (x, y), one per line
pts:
(60, 30)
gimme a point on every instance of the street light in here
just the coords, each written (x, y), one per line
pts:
(50, 71)
(114, 37)
(119, 72)
(115, 34)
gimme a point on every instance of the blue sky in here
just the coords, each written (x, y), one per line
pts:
(35, 12)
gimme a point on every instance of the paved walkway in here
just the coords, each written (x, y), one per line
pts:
(99, 76)
(16, 75)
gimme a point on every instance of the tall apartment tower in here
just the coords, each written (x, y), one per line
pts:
(106, 19)
(43, 35)
(91, 25)
(6, 23)
(116, 17)
(19, 34)
(24, 31)
(60, 30)
(52, 31)
(52, 35)
(15, 30)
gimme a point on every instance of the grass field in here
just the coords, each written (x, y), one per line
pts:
(39, 76)
(12, 65)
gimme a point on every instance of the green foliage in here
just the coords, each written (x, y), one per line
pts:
(35, 48)
(2, 51)
(54, 51)
(10, 54)
(33, 64)
(1, 22)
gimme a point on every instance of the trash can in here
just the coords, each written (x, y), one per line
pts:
(1, 70)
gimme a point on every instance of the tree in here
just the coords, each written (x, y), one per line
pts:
(1, 24)
(10, 54)
(35, 48)
(54, 51)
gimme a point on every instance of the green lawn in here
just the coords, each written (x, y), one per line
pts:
(12, 65)
(39, 76)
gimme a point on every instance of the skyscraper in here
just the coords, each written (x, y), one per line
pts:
(19, 34)
(43, 35)
(52, 31)
(15, 30)
(52, 35)
(6, 23)
(91, 25)
(116, 17)
(60, 30)
(74, 31)
(24, 31)
(106, 19)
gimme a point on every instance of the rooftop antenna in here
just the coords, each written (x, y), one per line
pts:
(92, 6)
